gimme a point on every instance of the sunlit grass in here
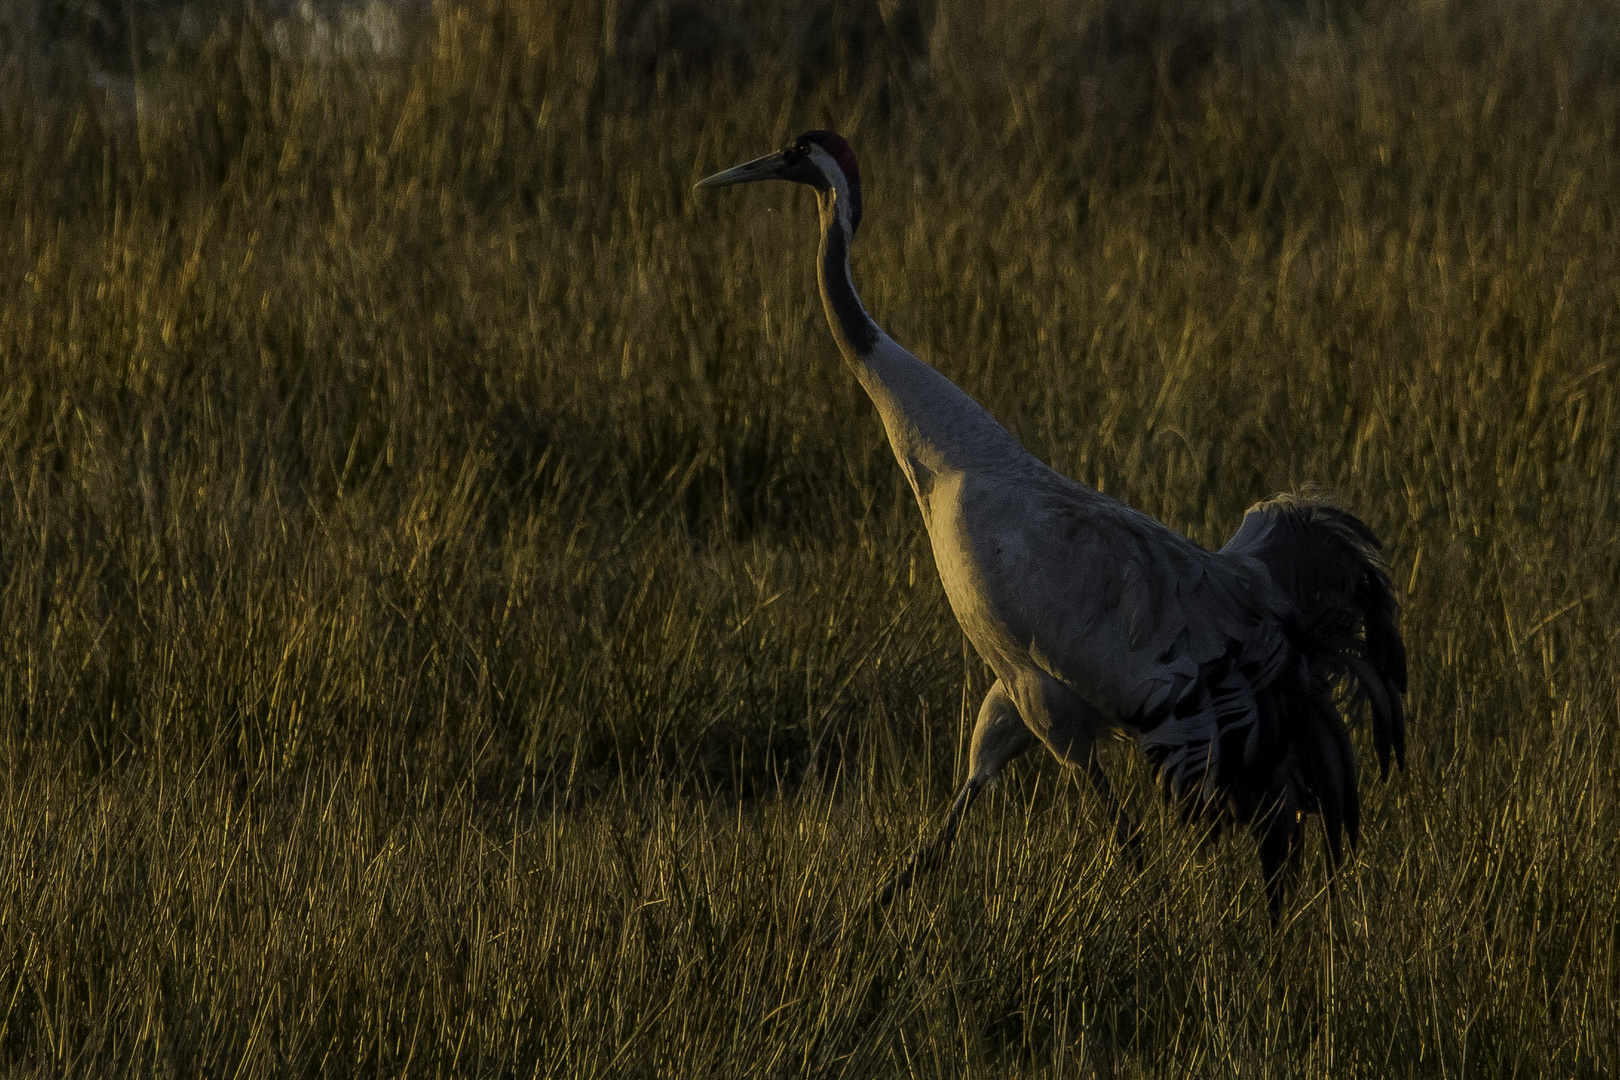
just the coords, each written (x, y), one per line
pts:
(459, 617)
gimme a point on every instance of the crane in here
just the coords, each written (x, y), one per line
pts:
(1235, 671)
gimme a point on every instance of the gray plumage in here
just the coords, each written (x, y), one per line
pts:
(1228, 667)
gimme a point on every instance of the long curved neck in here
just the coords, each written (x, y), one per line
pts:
(856, 333)
(934, 428)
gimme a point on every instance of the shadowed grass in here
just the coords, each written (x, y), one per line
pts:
(458, 617)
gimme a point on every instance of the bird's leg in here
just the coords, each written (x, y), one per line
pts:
(930, 855)
(999, 735)
(927, 857)
(1280, 839)
(1126, 832)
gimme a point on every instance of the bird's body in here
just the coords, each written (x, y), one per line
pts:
(1096, 618)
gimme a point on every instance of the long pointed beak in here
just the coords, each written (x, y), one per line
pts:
(761, 168)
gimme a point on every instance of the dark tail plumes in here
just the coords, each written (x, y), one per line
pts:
(1350, 657)
(1328, 563)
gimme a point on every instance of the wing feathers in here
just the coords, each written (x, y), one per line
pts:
(1258, 736)
(1231, 666)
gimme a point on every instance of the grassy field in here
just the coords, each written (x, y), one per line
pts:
(458, 617)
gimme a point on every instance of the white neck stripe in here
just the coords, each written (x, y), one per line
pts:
(844, 203)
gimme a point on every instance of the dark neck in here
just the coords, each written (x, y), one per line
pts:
(933, 427)
(853, 328)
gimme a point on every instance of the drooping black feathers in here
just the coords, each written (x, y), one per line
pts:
(1266, 752)
(1327, 562)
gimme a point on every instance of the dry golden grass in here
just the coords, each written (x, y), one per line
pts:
(458, 617)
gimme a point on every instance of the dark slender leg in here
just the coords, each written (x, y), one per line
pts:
(1280, 850)
(999, 735)
(1126, 833)
(930, 855)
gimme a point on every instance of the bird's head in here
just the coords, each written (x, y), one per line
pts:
(818, 158)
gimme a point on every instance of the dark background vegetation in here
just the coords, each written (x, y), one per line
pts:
(458, 617)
